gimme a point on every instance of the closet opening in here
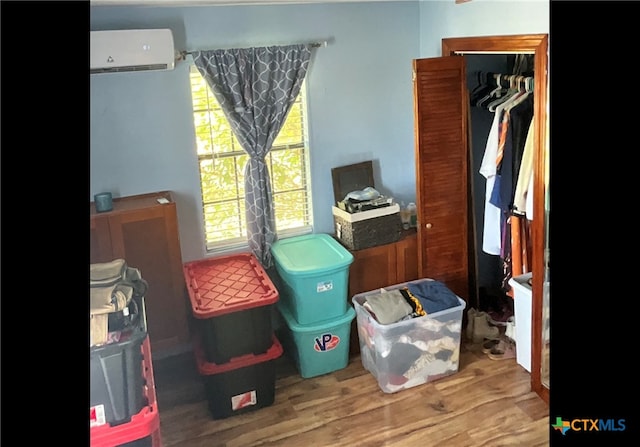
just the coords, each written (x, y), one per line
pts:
(480, 53)
(501, 238)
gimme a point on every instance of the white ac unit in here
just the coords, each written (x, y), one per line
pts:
(132, 50)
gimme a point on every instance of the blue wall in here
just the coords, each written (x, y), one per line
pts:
(445, 18)
(359, 91)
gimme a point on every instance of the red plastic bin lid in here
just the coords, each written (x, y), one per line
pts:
(208, 368)
(227, 284)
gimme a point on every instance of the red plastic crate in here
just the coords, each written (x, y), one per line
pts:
(232, 299)
(146, 423)
(228, 284)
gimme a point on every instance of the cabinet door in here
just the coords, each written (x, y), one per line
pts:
(148, 240)
(372, 268)
(100, 240)
(407, 259)
(441, 171)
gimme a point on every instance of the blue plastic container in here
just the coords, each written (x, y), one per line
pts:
(314, 273)
(317, 349)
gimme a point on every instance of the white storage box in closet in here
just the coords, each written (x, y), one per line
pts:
(522, 313)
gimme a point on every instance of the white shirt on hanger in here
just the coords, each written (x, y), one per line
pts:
(491, 240)
(492, 234)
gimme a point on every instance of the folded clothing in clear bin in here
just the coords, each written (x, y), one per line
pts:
(388, 307)
(433, 295)
(413, 300)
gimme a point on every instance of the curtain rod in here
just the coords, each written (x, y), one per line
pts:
(183, 54)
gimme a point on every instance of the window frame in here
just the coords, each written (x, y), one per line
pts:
(240, 242)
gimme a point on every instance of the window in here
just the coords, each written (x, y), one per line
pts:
(221, 161)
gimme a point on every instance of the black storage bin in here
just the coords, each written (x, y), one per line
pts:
(246, 383)
(247, 331)
(116, 373)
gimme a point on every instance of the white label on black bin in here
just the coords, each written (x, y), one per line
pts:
(324, 286)
(243, 400)
(97, 416)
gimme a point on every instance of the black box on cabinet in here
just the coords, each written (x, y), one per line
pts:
(368, 228)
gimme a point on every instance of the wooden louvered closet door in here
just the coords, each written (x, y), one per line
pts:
(442, 171)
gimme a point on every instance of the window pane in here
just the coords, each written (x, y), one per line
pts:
(219, 179)
(290, 210)
(224, 221)
(287, 170)
(292, 130)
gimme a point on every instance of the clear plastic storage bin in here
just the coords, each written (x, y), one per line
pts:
(410, 352)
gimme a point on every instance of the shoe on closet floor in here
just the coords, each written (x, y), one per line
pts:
(510, 330)
(488, 345)
(505, 349)
(471, 314)
(482, 330)
(500, 317)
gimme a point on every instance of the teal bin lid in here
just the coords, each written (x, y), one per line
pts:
(323, 325)
(309, 254)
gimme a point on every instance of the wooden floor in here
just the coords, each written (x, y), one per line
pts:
(486, 403)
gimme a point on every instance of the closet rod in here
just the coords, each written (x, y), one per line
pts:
(462, 53)
(183, 54)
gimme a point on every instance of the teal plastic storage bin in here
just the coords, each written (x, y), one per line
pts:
(316, 349)
(314, 273)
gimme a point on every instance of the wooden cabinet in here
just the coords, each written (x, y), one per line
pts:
(144, 233)
(407, 258)
(384, 265)
(380, 266)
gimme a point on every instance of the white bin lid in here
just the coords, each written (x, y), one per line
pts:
(521, 284)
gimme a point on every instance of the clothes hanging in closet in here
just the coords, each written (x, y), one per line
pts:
(522, 203)
(501, 166)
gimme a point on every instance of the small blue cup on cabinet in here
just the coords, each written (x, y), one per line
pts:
(103, 202)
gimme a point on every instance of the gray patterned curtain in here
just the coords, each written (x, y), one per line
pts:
(256, 88)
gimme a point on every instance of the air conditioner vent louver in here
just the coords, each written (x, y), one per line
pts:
(120, 51)
(130, 68)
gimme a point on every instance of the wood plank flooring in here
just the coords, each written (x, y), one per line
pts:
(486, 403)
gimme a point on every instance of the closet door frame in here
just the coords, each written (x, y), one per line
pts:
(536, 44)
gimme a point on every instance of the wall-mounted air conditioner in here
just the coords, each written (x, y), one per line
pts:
(132, 50)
